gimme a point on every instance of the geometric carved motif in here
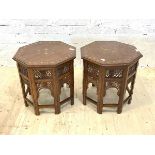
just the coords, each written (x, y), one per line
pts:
(63, 69)
(113, 84)
(23, 70)
(41, 85)
(42, 74)
(114, 73)
(66, 79)
(93, 73)
(93, 70)
(132, 69)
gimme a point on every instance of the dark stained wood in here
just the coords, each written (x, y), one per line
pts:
(100, 89)
(122, 90)
(23, 87)
(33, 91)
(45, 53)
(108, 53)
(85, 81)
(109, 64)
(46, 64)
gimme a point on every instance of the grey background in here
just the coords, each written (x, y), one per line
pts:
(15, 33)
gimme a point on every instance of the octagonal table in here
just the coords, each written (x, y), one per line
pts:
(109, 64)
(46, 64)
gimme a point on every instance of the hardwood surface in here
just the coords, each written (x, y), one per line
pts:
(110, 53)
(137, 118)
(45, 53)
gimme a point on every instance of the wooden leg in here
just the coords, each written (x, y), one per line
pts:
(132, 87)
(85, 82)
(36, 109)
(100, 90)
(120, 102)
(35, 102)
(57, 104)
(23, 87)
(72, 93)
(34, 92)
(72, 85)
(99, 104)
(104, 88)
(122, 91)
(57, 89)
(23, 91)
(84, 90)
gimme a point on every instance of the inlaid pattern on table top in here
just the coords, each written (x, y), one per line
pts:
(110, 53)
(45, 53)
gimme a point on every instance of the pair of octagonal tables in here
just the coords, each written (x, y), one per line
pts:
(50, 64)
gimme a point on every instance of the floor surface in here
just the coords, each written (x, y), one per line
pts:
(136, 118)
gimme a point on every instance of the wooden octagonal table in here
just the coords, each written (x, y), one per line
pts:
(109, 64)
(46, 64)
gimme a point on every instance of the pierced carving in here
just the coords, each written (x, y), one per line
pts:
(63, 69)
(66, 79)
(41, 85)
(113, 84)
(23, 70)
(92, 80)
(93, 73)
(132, 69)
(115, 73)
(42, 74)
(47, 85)
(93, 70)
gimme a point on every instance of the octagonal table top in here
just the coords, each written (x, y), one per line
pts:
(110, 53)
(45, 53)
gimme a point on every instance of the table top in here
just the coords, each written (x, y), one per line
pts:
(45, 53)
(110, 53)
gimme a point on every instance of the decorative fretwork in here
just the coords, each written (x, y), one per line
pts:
(93, 80)
(132, 69)
(23, 70)
(42, 74)
(41, 85)
(93, 73)
(93, 70)
(63, 69)
(66, 79)
(114, 73)
(113, 84)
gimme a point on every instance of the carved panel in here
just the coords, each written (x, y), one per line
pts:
(93, 73)
(63, 69)
(41, 85)
(93, 70)
(113, 84)
(23, 70)
(47, 85)
(66, 79)
(114, 73)
(42, 73)
(132, 69)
